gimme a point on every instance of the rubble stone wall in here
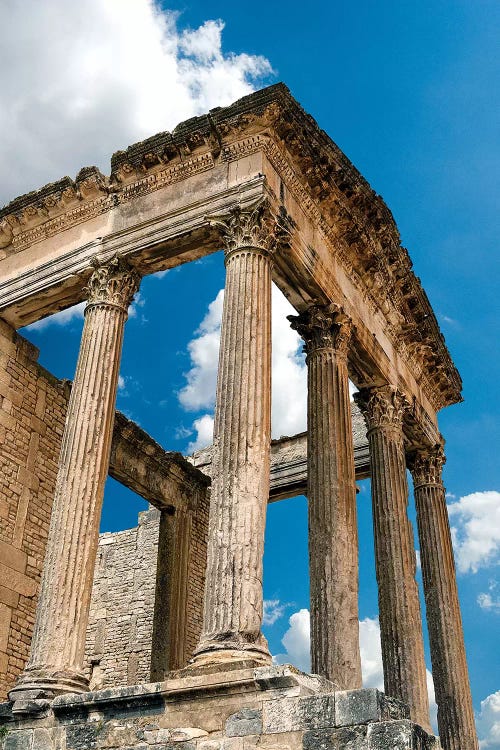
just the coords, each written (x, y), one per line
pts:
(121, 614)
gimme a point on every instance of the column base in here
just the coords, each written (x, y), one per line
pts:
(213, 651)
(37, 683)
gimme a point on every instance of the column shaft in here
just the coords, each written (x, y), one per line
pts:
(333, 536)
(56, 661)
(399, 607)
(240, 483)
(449, 665)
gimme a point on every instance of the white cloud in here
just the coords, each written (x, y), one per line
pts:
(297, 641)
(297, 644)
(121, 383)
(81, 80)
(490, 601)
(199, 392)
(475, 530)
(273, 611)
(289, 373)
(62, 318)
(371, 653)
(204, 428)
(418, 559)
(488, 722)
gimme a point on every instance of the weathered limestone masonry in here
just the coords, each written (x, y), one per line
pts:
(120, 631)
(32, 413)
(261, 180)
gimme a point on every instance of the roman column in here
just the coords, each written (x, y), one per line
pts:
(56, 662)
(242, 434)
(399, 607)
(331, 491)
(449, 665)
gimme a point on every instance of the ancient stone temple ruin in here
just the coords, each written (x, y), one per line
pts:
(151, 638)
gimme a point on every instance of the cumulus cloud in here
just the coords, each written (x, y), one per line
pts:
(488, 722)
(204, 428)
(475, 528)
(297, 641)
(199, 391)
(297, 644)
(81, 80)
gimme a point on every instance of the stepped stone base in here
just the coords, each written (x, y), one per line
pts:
(273, 708)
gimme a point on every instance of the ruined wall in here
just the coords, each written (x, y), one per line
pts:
(32, 413)
(121, 612)
(130, 573)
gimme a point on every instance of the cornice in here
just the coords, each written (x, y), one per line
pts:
(357, 225)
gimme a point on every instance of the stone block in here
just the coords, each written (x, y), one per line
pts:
(343, 738)
(400, 735)
(19, 740)
(43, 739)
(292, 714)
(246, 721)
(364, 706)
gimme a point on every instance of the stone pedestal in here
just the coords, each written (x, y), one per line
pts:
(56, 662)
(399, 607)
(331, 492)
(240, 477)
(277, 708)
(449, 665)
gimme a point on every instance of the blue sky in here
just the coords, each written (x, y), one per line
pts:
(409, 91)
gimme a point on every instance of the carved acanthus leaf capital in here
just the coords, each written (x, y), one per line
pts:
(323, 327)
(253, 226)
(382, 406)
(426, 465)
(112, 283)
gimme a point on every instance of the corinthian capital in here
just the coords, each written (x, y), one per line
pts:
(323, 327)
(112, 283)
(426, 465)
(382, 406)
(253, 226)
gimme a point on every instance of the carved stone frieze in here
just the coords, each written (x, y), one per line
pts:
(323, 327)
(112, 283)
(357, 226)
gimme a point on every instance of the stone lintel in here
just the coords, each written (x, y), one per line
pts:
(289, 460)
(164, 478)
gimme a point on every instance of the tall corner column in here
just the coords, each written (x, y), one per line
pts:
(399, 606)
(331, 490)
(457, 729)
(233, 604)
(56, 663)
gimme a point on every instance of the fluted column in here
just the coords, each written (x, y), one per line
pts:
(399, 607)
(56, 662)
(331, 491)
(457, 729)
(242, 434)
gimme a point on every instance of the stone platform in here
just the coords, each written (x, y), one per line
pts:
(274, 708)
